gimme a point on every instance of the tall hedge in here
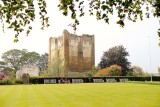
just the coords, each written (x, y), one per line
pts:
(40, 80)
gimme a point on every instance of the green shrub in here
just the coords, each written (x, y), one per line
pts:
(17, 81)
(1, 82)
(10, 82)
(6, 82)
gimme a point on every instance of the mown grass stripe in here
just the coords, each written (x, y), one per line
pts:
(10, 93)
(80, 95)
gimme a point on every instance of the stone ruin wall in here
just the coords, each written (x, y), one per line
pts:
(32, 70)
(56, 48)
(76, 51)
(81, 57)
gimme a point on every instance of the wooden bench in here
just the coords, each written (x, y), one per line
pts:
(98, 80)
(77, 81)
(111, 80)
(123, 79)
(50, 81)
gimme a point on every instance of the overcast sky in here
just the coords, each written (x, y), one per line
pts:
(135, 37)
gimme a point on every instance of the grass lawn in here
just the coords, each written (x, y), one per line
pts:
(81, 95)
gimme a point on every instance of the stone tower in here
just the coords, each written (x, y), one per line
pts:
(77, 52)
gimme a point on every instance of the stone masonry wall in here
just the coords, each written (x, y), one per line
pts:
(76, 51)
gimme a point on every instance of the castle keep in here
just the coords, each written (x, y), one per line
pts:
(76, 52)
